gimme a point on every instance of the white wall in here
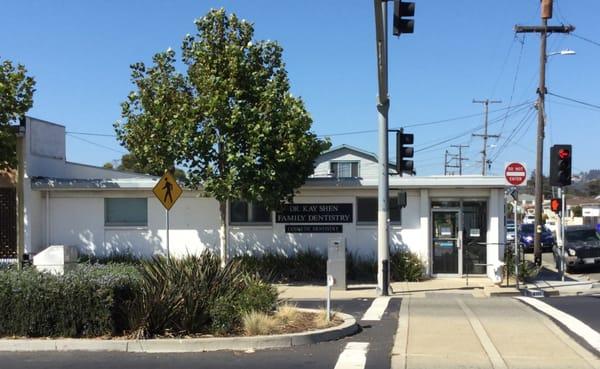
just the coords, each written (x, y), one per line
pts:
(367, 166)
(77, 218)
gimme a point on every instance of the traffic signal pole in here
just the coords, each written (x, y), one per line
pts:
(543, 30)
(383, 107)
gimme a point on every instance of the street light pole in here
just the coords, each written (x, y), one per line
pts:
(383, 107)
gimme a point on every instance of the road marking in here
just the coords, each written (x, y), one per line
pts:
(375, 312)
(484, 339)
(573, 324)
(399, 351)
(354, 356)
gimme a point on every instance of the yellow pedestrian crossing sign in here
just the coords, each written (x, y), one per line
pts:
(167, 190)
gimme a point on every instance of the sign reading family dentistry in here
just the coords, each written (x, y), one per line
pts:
(315, 213)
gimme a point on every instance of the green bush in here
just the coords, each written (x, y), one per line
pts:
(361, 268)
(86, 302)
(195, 295)
(303, 266)
(406, 266)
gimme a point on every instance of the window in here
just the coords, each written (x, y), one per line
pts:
(344, 169)
(248, 212)
(126, 212)
(366, 210)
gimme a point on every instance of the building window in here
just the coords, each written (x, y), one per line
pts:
(126, 212)
(344, 169)
(248, 212)
(366, 210)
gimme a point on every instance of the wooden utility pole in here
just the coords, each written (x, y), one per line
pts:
(460, 157)
(485, 134)
(543, 30)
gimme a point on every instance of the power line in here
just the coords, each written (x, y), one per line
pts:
(586, 39)
(575, 100)
(426, 123)
(90, 134)
(97, 144)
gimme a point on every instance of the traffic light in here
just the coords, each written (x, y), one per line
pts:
(403, 9)
(403, 152)
(556, 205)
(560, 165)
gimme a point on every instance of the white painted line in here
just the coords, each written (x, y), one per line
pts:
(573, 324)
(375, 312)
(484, 339)
(399, 350)
(354, 356)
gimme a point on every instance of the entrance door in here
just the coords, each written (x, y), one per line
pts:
(446, 242)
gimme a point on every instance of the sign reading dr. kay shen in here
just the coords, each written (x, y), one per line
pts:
(315, 213)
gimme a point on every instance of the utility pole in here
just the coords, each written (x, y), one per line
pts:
(383, 107)
(543, 30)
(447, 158)
(460, 157)
(485, 135)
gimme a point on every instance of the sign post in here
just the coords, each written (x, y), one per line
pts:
(515, 174)
(167, 191)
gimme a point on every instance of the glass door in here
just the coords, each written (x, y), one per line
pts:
(446, 242)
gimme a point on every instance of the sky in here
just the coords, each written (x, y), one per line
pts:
(80, 51)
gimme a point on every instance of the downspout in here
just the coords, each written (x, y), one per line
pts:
(47, 220)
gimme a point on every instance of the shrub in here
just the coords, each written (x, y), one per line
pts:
(405, 266)
(303, 266)
(361, 268)
(195, 295)
(257, 323)
(85, 302)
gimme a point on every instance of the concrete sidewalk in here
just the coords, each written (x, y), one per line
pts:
(476, 287)
(458, 331)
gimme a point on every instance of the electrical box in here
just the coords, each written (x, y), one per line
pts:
(336, 262)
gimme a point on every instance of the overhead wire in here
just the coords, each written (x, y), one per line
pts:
(96, 144)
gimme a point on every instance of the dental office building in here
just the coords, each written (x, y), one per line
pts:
(455, 224)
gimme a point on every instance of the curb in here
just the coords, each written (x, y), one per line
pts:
(348, 327)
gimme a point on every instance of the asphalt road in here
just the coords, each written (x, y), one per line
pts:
(584, 308)
(591, 272)
(324, 355)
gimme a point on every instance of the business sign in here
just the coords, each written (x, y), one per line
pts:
(314, 228)
(315, 213)
(515, 174)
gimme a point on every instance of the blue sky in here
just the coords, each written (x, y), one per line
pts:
(80, 52)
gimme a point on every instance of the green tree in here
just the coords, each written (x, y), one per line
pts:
(593, 187)
(16, 98)
(231, 119)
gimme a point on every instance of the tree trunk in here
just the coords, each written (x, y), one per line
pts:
(224, 230)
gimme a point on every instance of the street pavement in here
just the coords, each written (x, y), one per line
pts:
(423, 329)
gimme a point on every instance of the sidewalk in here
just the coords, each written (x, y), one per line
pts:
(457, 331)
(475, 288)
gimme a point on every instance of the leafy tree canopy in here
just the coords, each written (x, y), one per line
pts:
(230, 119)
(16, 98)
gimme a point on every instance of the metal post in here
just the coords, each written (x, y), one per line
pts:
(383, 105)
(20, 198)
(329, 284)
(539, 163)
(168, 249)
(562, 233)
(516, 250)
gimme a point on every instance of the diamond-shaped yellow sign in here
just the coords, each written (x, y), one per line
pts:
(167, 190)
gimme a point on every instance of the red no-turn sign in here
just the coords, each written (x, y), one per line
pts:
(515, 174)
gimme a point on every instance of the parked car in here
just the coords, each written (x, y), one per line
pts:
(510, 231)
(529, 219)
(582, 247)
(552, 226)
(526, 238)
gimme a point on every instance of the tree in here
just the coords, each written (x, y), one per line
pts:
(16, 98)
(231, 119)
(593, 187)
